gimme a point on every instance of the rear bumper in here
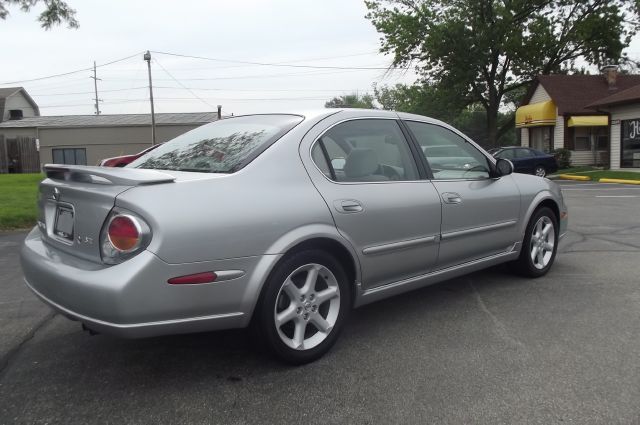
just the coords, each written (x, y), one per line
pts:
(133, 299)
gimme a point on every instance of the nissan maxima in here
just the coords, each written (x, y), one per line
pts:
(282, 223)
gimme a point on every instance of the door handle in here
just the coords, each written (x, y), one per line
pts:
(451, 198)
(348, 206)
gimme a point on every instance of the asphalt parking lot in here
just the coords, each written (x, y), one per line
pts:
(485, 348)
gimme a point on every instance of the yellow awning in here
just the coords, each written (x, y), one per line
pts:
(588, 121)
(536, 114)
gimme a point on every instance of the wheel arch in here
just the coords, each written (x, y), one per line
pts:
(543, 199)
(323, 238)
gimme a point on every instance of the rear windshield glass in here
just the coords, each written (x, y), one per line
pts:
(223, 146)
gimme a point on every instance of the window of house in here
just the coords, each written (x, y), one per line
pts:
(70, 156)
(603, 143)
(581, 143)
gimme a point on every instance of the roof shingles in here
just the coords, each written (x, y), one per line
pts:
(572, 94)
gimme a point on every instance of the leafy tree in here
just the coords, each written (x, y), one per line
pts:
(482, 50)
(422, 99)
(425, 99)
(353, 100)
(55, 12)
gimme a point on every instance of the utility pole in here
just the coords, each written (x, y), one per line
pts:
(95, 86)
(147, 57)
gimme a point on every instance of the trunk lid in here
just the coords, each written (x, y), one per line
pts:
(74, 202)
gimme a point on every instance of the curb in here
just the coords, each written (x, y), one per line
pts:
(621, 181)
(572, 177)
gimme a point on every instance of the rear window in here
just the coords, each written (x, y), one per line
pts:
(223, 146)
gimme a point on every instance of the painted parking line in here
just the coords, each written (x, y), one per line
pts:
(616, 196)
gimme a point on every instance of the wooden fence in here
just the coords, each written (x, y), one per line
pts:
(19, 155)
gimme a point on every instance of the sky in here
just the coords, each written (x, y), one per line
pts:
(328, 33)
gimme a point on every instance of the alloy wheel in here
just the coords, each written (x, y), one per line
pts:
(307, 306)
(543, 240)
(540, 172)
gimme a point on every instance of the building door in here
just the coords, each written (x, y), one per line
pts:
(540, 138)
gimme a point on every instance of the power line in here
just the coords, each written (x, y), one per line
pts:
(67, 73)
(182, 85)
(88, 92)
(243, 77)
(287, 65)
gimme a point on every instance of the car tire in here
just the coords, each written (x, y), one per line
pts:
(540, 171)
(298, 317)
(539, 246)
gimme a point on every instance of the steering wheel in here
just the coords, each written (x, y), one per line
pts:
(390, 172)
(475, 168)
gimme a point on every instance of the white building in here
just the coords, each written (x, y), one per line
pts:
(586, 114)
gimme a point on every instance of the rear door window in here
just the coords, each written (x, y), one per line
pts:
(224, 146)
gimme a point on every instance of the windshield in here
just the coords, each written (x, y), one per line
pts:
(223, 146)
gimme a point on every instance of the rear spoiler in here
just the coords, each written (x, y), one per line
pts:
(106, 175)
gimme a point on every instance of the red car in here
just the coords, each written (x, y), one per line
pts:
(121, 161)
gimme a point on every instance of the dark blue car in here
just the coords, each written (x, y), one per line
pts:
(527, 160)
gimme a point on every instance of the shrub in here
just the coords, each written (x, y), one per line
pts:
(563, 156)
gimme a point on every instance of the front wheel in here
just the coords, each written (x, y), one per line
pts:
(539, 246)
(540, 171)
(303, 308)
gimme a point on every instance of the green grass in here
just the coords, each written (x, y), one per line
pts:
(574, 170)
(18, 197)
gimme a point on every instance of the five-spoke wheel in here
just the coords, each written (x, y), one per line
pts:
(303, 306)
(307, 306)
(539, 245)
(542, 242)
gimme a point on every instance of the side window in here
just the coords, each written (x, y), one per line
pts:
(524, 153)
(507, 154)
(365, 151)
(449, 155)
(319, 159)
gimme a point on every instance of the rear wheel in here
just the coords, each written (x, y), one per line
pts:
(539, 246)
(540, 171)
(303, 307)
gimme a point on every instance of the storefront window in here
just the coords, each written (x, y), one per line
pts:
(630, 146)
(541, 138)
(590, 138)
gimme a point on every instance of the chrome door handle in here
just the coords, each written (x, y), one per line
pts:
(451, 198)
(348, 206)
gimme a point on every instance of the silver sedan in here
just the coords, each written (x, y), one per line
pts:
(284, 223)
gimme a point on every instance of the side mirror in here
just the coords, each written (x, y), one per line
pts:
(504, 167)
(338, 163)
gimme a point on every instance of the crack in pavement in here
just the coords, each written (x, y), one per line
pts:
(499, 327)
(6, 360)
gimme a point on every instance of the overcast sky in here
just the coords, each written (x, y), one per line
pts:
(300, 32)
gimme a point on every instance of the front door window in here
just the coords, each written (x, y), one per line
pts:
(540, 138)
(630, 144)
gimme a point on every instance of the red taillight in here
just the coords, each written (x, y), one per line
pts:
(206, 277)
(124, 233)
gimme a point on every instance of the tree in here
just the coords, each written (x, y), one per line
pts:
(482, 50)
(55, 13)
(423, 99)
(353, 100)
